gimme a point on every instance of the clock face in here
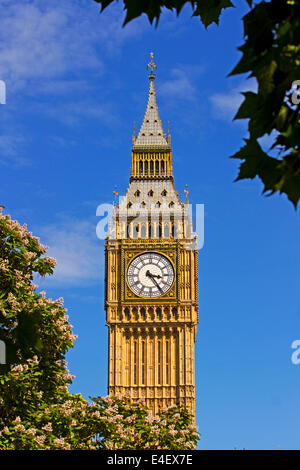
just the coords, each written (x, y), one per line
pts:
(150, 275)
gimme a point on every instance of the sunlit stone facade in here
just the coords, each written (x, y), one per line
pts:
(151, 287)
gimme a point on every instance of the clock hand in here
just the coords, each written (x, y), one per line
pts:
(154, 280)
(153, 275)
(158, 286)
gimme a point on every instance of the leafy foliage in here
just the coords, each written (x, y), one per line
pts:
(30, 324)
(270, 54)
(72, 423)
(208, 10)
(36, 409)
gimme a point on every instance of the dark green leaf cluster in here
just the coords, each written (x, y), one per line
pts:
(271, 54)
(208, 10)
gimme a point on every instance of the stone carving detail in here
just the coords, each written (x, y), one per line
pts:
(142, 342)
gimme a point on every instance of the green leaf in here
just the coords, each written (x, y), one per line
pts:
(248, 107)
(210, 10)
(104, 3)
(277, 175)
(254, 158)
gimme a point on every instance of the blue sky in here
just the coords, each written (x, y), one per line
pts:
(76, 83)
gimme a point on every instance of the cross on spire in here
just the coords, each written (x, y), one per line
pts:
(151, 66)
(115, 193)
(186, 191)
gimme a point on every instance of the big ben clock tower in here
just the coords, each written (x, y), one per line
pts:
(151, 274)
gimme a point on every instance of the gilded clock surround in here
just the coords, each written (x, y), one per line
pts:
(151, 340)
(130, 255)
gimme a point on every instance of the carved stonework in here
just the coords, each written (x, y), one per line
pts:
(151, 337)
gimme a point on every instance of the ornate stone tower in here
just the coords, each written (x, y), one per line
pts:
(151, 297)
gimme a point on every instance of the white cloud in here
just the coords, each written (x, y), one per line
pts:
(62, 87)
(47, 40)
(60, 141)
(40, 42)
(10, 150)
(78, 252)
(180, 85)
(57, 49)
(72, 113)
(225, 105)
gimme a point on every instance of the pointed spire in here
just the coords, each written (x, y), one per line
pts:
(151, 134)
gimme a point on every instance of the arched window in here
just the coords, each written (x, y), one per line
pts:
(143, 362)
(175, 313)
(141, 168)
(159, 362)
(162, 167)
(143, 231)
(164, 193)
(166, 230)
(167, 362)
(135, 363)
(146, 168)
(151, 233)
(150, 193)
(158, 313)
(151, 167)
(137, 193)
(157, 167)
(173, 230)
(127, 313)
(143, 313)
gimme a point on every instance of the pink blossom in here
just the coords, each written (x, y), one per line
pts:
(40, 439)
(47, 427)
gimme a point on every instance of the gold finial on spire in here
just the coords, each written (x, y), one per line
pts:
(115, 193)
(169, 135)
(186, 191)
(151, 66)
